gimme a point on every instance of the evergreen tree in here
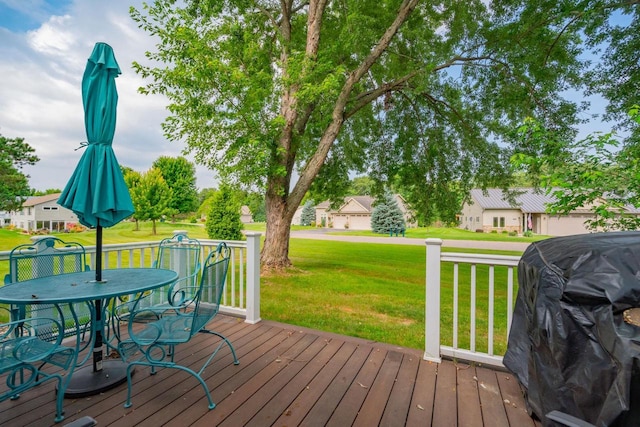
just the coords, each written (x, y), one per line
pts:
(308, 213)
(223, 220)
(386, 215)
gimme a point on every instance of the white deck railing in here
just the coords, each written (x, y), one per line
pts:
(473, 343)
(455, 281)
(242, 295)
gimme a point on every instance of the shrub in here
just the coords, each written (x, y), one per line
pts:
(479, 230)
(494, 231)
(513, 233)
(223, 220)
(528, 233)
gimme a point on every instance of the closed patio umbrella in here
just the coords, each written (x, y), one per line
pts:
(96, 192)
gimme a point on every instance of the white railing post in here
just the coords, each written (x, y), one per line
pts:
(432, 302)
(253, 277)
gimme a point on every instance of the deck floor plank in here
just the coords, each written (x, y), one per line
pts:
(422, 401)
(469, 411)
(397, 408)
(490, 398)
(292, 376)
(376, 400)
(445, 408)
(309, 397)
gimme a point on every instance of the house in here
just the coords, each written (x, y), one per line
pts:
(245, 215)
(355, 213)
(489, 211)
(297, 217)
(5, 218)
(43, 212)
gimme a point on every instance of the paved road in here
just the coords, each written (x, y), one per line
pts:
(472, 244)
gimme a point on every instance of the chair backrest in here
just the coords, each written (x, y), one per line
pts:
(182, 255)
(46, 257)
(212, 281)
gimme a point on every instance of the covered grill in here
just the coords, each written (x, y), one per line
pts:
(574, 343)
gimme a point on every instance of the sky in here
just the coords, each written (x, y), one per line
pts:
(44, 46)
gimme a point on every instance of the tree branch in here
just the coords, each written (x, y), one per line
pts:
(313, 166)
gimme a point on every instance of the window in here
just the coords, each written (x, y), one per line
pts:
(477, 219)
(50, 208)
(498, 222)
(501, 222)
(495, 222)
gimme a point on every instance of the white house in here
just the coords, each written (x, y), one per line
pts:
(245, 215)
(491, 211)
(43, 212)
(355, 213)
(5, 218)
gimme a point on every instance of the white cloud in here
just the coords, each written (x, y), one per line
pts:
(41, 100)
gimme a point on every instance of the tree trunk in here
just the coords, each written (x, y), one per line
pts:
(153, 221)
(275, 254)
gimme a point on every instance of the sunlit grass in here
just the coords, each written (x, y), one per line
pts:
(376, 292)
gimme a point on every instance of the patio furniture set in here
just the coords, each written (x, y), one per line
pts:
(53, 304)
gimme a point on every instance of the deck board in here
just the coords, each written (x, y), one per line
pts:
(292, 376)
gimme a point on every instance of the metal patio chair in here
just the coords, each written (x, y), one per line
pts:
(47, 257)
(179, 253)
(156, 341)
(25, 349)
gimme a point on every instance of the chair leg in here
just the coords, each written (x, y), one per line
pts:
(127, 403)
(59, 399)
(201, 381)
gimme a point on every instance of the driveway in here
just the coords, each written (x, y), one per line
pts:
(321, 234)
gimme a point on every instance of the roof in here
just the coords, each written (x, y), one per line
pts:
(365, 201)
(529, 200)
(37, 200)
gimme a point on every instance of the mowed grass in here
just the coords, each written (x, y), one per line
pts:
(371, 291)
(377, 292)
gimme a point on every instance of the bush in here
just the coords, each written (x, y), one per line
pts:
(494, 231)
(513, 233)
(479, 230)
(223, 220)
(528, 233)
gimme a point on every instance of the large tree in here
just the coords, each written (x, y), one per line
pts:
(180, 176)
(293, 95)
(14, 185)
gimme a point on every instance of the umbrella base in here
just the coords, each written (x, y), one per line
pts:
(86, 382)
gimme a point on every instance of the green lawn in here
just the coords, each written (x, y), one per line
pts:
(376, 292)
(372, 291)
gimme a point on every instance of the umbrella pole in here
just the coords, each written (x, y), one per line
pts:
(98, 252)
(97, 346)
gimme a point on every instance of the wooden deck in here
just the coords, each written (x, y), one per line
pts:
(290, 376)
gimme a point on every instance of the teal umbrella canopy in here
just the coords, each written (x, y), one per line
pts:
(96, 192)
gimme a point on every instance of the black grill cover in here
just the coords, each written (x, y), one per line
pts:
(569, 345)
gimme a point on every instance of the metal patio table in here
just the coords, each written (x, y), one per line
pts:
(82, 287)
